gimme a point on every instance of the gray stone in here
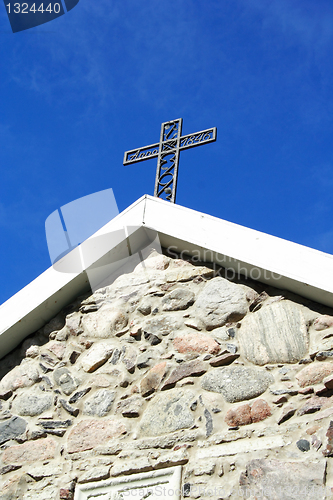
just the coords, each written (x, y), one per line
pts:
(303, 444)
(178, 300)
(237, 383)
(78, 395)
(130, 407)
(32, 403)
(284, 480)
(99, 404)
(12, 428)
(168, 412)
(274, 334)
(70, 409)
(163, 325)
(62, 377)
(220, 302)
(145, 306)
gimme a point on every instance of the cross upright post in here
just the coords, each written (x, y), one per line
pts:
(167, 153)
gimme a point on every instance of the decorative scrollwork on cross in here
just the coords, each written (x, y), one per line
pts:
(167, 152)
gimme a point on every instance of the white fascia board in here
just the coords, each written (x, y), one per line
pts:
(302, 270)
(269, 259)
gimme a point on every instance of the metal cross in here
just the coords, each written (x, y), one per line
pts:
(167, 151)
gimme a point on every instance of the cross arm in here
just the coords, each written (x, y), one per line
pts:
(145, 153)
(202, 137)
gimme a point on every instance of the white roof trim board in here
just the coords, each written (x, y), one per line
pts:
(299, 269)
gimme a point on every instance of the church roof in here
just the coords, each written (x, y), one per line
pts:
(268, 259)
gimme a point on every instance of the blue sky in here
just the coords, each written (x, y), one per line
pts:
(79, 91)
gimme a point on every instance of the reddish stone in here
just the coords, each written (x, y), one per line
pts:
(57, 348)
(239, 416)
(328, 381)
(224, 359)
(196, 342)
(152, 379)
(323, 322)
(328, 452)
(195, 367)
(287, 413)
(31, 451)
(90, 433)
(314, 373)
(66, 494)
(260, 410)
(314, 404)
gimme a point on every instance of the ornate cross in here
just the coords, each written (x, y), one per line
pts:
(167, 151)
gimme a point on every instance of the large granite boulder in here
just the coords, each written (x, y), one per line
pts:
(275, 334)
(220, 302)
(168, 412)
(237, 383)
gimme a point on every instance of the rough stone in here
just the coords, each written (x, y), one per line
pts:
(287, 413)
(239, 416)
(314, 373)
(328, 452)
(78, 395)
(153, 378)
(12, 428)
(8, 468)
(260, 410)
(173, 413)
(196, 342)
(246, 414)
(145, 306)
(95, 474)
(73, 323)
(57, 348)
(129, 359)
(178, 300)
(220, 302)
(90, 433)
(70, 409)
(180, 270)
(303, 445)
(206, 467)
(40, 471)
(24, 375)
(63, 377)
(130, 407)
(237, 383)
(163, 325)
(96, 356)
(284, 480)
(31, 451)
(224, 359)
(328, 381)
(99, 404)
(108, 320)
(323, 322)
(32, 402)
(195, 367)
(155, 261)
(141, 464)
(274, 334)
(314, 404)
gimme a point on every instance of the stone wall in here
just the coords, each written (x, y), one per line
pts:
(173, 365)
